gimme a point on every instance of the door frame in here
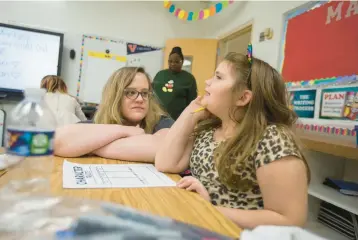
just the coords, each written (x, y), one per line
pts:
(241, 30)
(2, 127)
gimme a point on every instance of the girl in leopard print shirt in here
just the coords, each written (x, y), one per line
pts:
(242, 154)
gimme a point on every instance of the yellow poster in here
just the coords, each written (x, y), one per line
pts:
(107, 56)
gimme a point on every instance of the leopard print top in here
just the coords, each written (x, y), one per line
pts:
(273, 146)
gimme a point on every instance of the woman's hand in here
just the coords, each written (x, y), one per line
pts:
(192, 184)
(195, 105)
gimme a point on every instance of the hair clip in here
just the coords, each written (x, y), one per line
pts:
(249, 53)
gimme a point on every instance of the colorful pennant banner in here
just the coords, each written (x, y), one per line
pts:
(326, 129)
(133, 48)
(196, 15)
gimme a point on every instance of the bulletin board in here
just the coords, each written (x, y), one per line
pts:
(339, 103)
(320, 43)
(100, 57)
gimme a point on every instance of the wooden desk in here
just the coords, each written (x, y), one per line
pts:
(170, 202)
(335, 145)
(2, 172)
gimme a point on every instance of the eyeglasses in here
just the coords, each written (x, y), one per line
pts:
(133, 94)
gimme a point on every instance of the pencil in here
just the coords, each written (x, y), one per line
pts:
(198, 110)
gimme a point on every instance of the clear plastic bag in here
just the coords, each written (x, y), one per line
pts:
(28, 216)
(24, 215)
(21, 178)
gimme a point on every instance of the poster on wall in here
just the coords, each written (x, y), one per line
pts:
(340, 103)
(303, 102)
(321, 42)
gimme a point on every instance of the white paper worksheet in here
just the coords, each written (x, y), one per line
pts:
(113, 176)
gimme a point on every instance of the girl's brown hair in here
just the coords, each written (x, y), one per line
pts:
(112, 94)
(268, 106)
(54, 84)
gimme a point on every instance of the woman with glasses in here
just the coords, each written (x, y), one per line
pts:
(175, 87)
(129, 124)
(65, 108)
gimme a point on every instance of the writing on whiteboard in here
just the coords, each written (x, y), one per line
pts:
(18, 40)
(8, 69)
(27, 46)
(26, 57)
(14, 75)
(4, 32)
(134, 62)
(13, 64)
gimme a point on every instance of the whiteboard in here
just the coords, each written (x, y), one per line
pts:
(151, 61)
(95, 71)
(27, 56)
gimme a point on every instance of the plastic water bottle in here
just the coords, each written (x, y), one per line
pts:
(29, 142)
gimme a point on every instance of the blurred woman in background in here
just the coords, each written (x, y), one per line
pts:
(65, 108)
(174, 87)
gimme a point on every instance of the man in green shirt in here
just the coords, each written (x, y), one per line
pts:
(174, 87)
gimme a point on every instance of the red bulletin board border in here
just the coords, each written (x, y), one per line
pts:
(297, 43)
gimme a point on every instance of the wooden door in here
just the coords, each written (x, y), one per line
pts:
(202, 53)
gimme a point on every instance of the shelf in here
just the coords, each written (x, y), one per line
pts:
(330, 195)
(335, 145)
(324, 231)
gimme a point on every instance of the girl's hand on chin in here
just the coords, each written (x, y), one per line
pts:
(197, 109)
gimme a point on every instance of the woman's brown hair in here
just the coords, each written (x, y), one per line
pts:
(112, 94)
(54, 84)
(268, 106)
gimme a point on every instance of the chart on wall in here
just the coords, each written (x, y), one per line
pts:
(101, 57)
(303, 102)
(320, 43)
(340, 103)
